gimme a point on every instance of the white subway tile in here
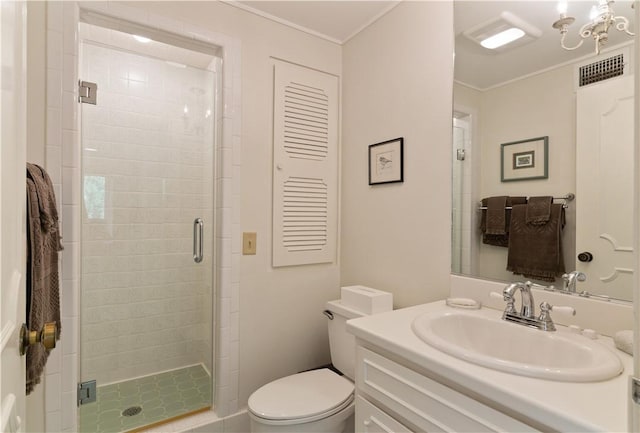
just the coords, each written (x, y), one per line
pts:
(70, 73)
(71, 149)
(54, 88)
(54, 49)
(227, 133)
(69, 111)
(53, 155)
(71, 187)
(54, 362)
(235, 326)
(70, 329)
(235, 295)
(52, 394)
(54, 127)
(237, 150)
(54, 16)
(70, 373)
(70, 298)
(70, 260)
(53, 422)
(128, 13)
(69, 410)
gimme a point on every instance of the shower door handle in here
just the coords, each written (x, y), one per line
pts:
(198, 253)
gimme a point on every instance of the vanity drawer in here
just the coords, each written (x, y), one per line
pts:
(425, 403)
(370, 419)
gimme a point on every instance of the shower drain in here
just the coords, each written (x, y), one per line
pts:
(132, 411)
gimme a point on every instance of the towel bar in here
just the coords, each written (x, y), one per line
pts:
(566, 198)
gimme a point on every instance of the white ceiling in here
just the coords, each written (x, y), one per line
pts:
(338, 21)
(481, 68)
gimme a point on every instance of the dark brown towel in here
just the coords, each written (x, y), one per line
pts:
(535, 251)
(539, 210)
(43, 289)
(500, 240)
(496, 215)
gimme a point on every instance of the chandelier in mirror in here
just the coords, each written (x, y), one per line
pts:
(602, 18)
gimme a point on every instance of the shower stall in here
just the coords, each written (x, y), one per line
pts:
(149, 128)
(461, 214)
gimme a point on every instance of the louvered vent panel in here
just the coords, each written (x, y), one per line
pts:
(601, 70)
(305, 166)
(306, 122)
(305, 214)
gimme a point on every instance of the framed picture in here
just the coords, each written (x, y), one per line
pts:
(386, 162)
(525, 159)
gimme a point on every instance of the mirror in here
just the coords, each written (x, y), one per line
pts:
(530, 91)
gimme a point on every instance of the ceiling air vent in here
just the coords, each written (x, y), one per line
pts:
(601, 70)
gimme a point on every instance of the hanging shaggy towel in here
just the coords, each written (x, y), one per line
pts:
(539, 210)
(496, 215)
(535, 251)
(499, 223)
(43, 289)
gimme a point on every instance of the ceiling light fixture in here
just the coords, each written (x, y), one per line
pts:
(503, 32)
(502, 38)
(602, 19)
(141, 39)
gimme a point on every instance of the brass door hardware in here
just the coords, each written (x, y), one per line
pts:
(47, 336)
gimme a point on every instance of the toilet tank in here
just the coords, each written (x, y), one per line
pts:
(342, 344)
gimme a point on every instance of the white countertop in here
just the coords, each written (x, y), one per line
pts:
(561, 406)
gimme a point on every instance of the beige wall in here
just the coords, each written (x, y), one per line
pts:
(36, 79)
(282, 329)
(536, 106)
(36, 107)
(397, 82)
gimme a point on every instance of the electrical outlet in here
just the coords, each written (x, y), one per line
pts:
(249, 243)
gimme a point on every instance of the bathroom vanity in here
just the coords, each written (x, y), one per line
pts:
(404, 384)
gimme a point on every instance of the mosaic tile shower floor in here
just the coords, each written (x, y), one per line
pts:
(161, 396)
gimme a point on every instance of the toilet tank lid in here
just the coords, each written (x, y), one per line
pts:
(337, 307)
(301, 395)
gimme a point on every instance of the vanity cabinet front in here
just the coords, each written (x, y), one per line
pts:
(394, 398)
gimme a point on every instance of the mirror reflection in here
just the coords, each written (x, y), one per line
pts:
(544, 116)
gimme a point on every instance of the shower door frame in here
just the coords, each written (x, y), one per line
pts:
(196, 134)
(63, 161)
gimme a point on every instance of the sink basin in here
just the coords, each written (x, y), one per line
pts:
(482, 338)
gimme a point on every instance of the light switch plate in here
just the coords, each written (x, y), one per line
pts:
(249, 243)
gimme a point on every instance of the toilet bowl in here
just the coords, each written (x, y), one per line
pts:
(317, 400)
(313, 401)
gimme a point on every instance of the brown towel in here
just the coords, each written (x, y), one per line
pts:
(43, 289)
(539, 210)
(496, 215)
(535, 251)
(500, 240)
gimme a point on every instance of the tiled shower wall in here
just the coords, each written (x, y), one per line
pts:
(63, 165)
(461, 200)
(147, 173)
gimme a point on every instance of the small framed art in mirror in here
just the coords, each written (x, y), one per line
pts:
(524, 159)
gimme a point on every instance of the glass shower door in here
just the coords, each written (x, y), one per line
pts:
(147, 234)
(461, 230)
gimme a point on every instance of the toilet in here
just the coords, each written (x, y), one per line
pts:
(317, 400)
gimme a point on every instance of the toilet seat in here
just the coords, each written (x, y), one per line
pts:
(302, 398)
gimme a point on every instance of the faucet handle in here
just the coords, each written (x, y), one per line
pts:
(505, 297)
(545, 318)
(496, 295)
(545, 307)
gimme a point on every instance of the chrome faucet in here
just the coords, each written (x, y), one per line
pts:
(528, 307)
(527, 315)
(569, 280)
